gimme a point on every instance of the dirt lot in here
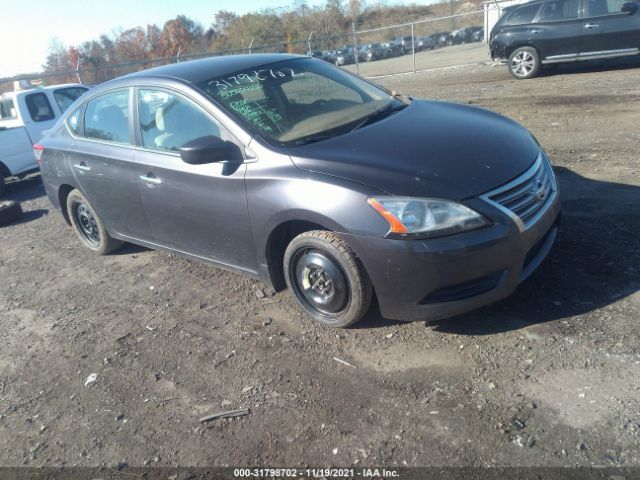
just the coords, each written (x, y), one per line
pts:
(547, 377)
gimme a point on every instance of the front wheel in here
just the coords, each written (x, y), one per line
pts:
(88, 225)
(327, 279)
(524, 63)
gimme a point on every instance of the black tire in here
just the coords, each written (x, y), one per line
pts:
(342, 289)
(10, 211)
(3, 185)
(524, 63)
(88, 225)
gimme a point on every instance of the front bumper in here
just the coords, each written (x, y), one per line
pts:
(448, 276)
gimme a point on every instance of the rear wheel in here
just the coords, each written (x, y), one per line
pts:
(524, 63)
(327, 279)
(88, 225)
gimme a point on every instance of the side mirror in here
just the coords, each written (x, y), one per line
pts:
(629, 7)
(209, 149)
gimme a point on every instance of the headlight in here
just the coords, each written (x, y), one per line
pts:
(426, 217)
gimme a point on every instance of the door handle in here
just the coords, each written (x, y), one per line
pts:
(591, 25)
(150, 178)
(534, 31)
(82, 167)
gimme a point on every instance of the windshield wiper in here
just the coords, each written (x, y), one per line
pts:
(379, 114)
(311, 139)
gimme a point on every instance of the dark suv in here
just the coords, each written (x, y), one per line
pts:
(538, 33)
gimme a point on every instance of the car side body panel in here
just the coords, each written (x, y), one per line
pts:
(585, 38)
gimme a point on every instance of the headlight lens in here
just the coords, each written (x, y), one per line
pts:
(428, 217)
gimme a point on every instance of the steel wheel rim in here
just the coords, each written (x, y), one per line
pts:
(522, 63)
(86, 224)
(320, 283)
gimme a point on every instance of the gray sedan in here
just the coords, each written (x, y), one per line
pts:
(295, 172)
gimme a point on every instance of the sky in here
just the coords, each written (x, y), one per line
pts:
(26, 33)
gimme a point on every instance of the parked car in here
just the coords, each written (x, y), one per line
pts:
(532, 35)
(372, 51)
(404, 43)
(457, 37)
(425, 42)
(321, 55)
(442, 39)
(393, 49)
(344, 56)
(298, 173)
(476, 34)
(24, 115)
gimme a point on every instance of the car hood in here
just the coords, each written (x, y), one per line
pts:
(434, 149)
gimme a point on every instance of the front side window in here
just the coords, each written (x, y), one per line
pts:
(39, 107)
(524, 15)
(64, 97)
(107, 117)
(293, 101)
(169, 121)
(558, 10)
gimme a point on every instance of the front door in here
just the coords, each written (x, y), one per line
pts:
(607, 30)
(556, 30)
(200, 210)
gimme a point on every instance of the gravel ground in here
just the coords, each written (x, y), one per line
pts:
(548, 377)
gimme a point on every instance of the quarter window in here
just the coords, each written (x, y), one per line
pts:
(39, 107)
(107, 117)
(558, 10)
(73, 122)
(64, 97)
(524, 15)
(168, 121)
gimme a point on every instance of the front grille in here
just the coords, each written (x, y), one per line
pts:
(528, 196)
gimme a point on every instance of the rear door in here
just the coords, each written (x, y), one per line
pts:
(102, 163)
(556, 30)
(607, 30)
(200, 210)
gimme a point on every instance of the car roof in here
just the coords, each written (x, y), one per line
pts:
(196, 71)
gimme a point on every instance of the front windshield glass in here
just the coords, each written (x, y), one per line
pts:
(295, 101)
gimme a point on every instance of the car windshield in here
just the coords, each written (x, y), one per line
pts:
(297, 101)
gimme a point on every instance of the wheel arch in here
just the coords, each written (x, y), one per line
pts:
(63, 193)
(277, 242)
(4, 170)
(512, 48)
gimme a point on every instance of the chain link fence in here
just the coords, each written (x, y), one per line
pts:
(433, 42)
(442, 41)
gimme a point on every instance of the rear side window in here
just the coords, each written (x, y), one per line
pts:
(107, 117)
(64, 97)
(596, 8)
(523, 15)
(558, 10)
(39, 107)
